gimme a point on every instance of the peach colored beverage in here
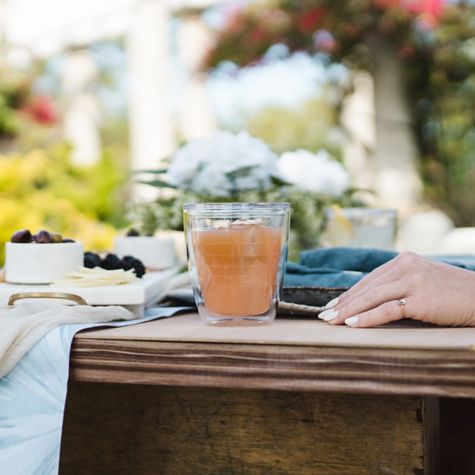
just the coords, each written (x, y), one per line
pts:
(237, 268)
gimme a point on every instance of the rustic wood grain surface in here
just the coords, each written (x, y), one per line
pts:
(145, 430)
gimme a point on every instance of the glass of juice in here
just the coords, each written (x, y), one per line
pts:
(236, 258)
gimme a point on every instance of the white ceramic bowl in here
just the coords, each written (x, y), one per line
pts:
(33, 263)
(155, 252)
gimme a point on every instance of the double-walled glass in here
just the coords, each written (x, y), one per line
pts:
(236, 258)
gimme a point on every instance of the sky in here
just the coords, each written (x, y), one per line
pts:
(47, 25)
(282, 82)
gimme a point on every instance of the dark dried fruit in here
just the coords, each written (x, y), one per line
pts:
(111, 262)
(132, 232)
(43, 237)
(92, 260)
(57, 238)
(22, 236)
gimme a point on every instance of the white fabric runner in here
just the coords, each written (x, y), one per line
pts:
(33, 395)
(23, 325)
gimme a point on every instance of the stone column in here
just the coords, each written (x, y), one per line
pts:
(358, 120)
(151, 131)
(82, 115)
(398, 183)
(194, 41)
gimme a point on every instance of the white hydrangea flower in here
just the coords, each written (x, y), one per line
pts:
(316, 172)
(223, 163)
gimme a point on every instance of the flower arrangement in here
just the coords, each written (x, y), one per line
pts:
(230, 167)
(318, 173)
(223, 165)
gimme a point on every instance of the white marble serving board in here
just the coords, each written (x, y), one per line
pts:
(135, 296)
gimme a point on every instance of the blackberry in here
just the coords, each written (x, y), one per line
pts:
(139, 268)
(111, 262)
(130, 262)
(92, 260)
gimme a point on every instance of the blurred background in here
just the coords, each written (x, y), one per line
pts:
(91, 91)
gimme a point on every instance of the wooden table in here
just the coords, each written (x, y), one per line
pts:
(296, 397)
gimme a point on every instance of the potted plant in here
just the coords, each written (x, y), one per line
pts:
(157, 250)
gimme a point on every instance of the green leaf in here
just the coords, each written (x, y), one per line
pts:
(156, 183)
(240, 172)
(157, 171)
(278, 181)
(353, 190)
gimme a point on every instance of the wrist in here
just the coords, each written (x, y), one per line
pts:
(471, 300)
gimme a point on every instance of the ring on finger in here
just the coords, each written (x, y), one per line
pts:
(402, 307)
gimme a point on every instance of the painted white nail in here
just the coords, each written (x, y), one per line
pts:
(351, 321)
(332, 303)
(328, 315)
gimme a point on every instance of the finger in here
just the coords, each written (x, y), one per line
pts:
(368, 279)
(385, 313)
(365, 301)
(391, 276)
(372, 288)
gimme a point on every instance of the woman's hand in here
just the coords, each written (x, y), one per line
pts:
(409, 286)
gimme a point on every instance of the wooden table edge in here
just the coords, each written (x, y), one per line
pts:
(274, 367)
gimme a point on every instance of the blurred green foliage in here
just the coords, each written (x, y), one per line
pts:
(312, 125)
(43, 189)
(14, 92)
(40, 187)
(443, 94)
(434, 40)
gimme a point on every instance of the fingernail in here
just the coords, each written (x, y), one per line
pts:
(332, 303)
(328, 315)
(352, 321)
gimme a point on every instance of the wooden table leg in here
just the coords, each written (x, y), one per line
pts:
(457, 430)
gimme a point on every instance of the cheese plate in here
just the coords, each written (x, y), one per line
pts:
(134, 296)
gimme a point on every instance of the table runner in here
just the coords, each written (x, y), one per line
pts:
(33, 397)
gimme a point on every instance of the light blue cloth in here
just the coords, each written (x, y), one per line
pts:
(33, 397)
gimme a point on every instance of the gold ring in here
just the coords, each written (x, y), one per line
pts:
(46, 295)
(402, 304)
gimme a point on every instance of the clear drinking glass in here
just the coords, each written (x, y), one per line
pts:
(361, 227)
(236, 258)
